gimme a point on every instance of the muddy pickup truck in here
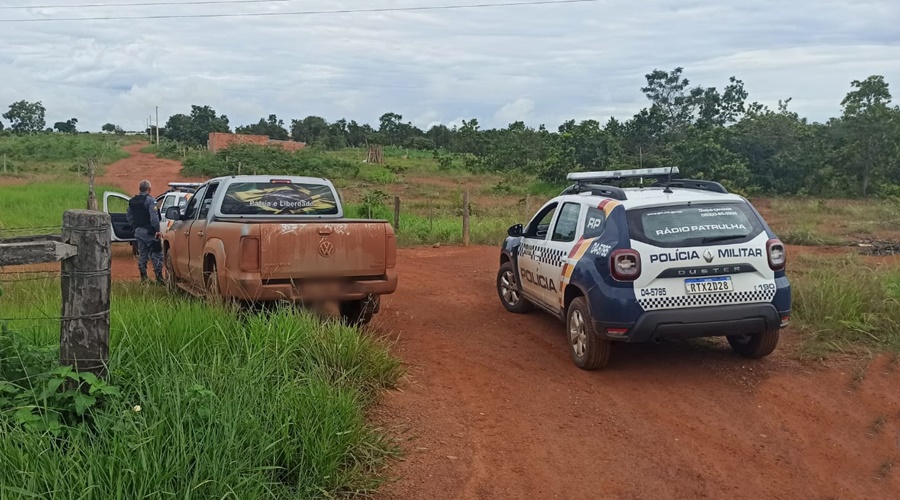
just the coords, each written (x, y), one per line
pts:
(256, 238)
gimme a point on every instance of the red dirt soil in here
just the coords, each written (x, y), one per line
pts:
(494, 408)
(126, 174)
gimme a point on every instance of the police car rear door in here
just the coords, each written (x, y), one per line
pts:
(700, 254)
(562, 239)
(531, 252)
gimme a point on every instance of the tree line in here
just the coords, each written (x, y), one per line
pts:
(707, 132)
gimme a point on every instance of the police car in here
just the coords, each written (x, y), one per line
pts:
(681, 258)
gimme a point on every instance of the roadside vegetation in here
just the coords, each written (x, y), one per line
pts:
(55, 153)
(199, 399)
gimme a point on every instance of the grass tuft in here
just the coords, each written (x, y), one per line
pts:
(240, 406)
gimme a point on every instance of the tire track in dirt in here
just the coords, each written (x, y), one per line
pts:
(494, 408)
(127, 173)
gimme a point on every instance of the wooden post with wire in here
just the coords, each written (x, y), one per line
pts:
(85, 282)
(83, 248)
(396, 213)
(92, 197)
(466, 218)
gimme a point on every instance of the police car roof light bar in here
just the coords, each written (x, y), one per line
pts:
(620, 174)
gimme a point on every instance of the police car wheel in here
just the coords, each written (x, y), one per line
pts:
(754, 346)
(508, 290)
(588, 350)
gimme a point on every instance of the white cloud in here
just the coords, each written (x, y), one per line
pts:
(518, 110)
(541, 64)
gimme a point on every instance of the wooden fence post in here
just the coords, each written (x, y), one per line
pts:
(466, 218)
(84, 327)
(430, 217)
(92, 197)
(396, 213)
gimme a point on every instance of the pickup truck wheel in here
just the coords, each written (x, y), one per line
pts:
(358, 312)
(508, 290)
(754, 346)
(170, 273)
(589, 351)
(213, 293)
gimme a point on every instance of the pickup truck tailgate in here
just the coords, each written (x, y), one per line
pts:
(324, 249)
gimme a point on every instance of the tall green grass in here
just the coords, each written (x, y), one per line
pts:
(841, 302)
(40, 205)
(59, 153)
(268, 405)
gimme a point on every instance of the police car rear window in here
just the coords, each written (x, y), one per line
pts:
(693, 225)
(276, 198)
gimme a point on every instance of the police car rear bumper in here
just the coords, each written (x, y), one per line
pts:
(696, 322)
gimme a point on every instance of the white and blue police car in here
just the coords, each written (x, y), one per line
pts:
(679, 259)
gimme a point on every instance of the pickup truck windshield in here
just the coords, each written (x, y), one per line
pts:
(269, 198)
(693, 225)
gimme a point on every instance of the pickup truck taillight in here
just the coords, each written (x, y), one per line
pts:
(390, 247)
(625, 264)
(249, 253)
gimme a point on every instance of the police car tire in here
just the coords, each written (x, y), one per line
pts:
(520, 307)
(597, 350)
(756, 346)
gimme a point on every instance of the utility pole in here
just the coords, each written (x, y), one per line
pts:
(157, 125)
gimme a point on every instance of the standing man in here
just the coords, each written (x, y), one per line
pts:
(143, 216)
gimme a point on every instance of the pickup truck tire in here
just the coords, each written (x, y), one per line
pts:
(358, 312)
(754, 346)
(508, 290)
(213, 293)
(588, 350)
(171, 282)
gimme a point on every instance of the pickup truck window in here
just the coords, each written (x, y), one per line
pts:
(267, 198)
(206, 203)
(191, 208)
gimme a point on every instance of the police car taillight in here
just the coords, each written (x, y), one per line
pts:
(625, 264)
(777, 254)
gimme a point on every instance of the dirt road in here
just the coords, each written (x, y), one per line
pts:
(494, 408)
(126, 174)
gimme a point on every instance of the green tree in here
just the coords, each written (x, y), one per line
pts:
(311, 130)
(67, 127)
(26, 117)
(272, 127)
(194, 129)
(870, 128)
(109, 127)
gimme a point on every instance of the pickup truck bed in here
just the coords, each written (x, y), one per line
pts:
(297, 255)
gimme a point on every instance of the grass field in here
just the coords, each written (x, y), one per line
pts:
(208, 403)
(38, 207)
(31, 155)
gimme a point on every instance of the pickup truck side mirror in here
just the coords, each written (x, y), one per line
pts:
(515, 231)
(173, 213)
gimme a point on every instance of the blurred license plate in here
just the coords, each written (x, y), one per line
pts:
(708, 285)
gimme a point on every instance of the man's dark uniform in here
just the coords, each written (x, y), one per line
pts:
(144, 218)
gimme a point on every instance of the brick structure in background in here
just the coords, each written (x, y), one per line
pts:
(219, 140)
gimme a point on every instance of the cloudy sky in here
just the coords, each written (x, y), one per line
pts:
(537, 63)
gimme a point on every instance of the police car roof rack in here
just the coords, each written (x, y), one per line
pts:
(701, 185)
(586, 181)
(613, 192)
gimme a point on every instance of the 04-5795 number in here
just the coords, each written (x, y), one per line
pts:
(653, 292)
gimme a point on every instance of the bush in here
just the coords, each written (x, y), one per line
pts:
(254, 159)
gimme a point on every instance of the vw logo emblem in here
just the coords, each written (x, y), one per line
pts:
(708, 255)
(326, 248)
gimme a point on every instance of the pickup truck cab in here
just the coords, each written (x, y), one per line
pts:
(263, 239)
(679, 259)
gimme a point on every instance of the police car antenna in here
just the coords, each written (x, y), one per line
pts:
(669, 180)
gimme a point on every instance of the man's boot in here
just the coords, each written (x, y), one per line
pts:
(159, 279)
(144, 278)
